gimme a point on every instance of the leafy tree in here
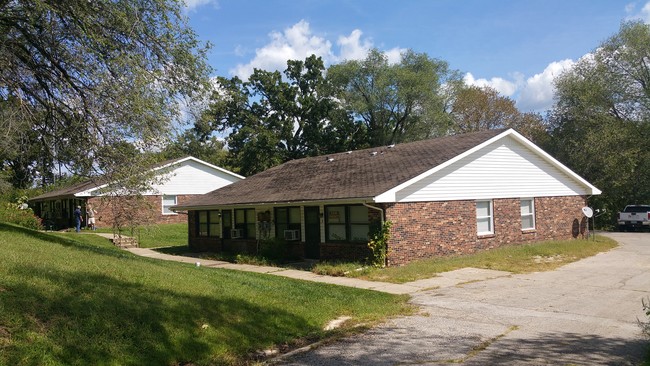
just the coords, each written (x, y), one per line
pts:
(600, 122)
(194, 143)
(271, 119)
(77, 75)
(395, 102)
(482, 108)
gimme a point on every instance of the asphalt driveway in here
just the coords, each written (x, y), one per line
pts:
(584, 313)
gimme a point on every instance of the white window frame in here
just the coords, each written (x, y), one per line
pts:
(163, 205)
(490, 216)
(531, 214)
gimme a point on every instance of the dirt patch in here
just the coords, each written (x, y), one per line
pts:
(5, 337)
(551, 259)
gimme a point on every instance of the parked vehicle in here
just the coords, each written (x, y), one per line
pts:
(633, 217)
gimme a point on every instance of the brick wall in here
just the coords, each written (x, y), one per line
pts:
(344, 251)
(429, 229)
(152, 211)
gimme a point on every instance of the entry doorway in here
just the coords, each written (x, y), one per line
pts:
(312, 232)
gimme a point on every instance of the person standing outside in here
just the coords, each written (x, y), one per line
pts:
(90, 216)
(77, 219)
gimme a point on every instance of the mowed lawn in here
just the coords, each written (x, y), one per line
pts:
(74, 299)
(155, 236)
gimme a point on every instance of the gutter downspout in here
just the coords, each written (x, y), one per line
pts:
(381, 211)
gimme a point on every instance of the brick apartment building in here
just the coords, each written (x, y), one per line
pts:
(455, 194)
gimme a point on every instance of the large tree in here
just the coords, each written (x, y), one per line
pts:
(601, 120)
(483, 108)
(80, 75)
(395, 102)
(273, 118)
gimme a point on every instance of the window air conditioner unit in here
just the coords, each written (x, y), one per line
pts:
(235, 233)
(292, 235)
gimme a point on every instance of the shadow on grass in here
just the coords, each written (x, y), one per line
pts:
(100, 319)
(177, 250)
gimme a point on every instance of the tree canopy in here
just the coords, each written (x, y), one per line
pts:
(482, 108)
(271, 119)
(600, 122)
(394, 102)
(79, 75)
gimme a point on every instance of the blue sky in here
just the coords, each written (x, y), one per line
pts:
(514, 46)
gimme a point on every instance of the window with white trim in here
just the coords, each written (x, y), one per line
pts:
(484, 219)
(167, 202)
(527, 214)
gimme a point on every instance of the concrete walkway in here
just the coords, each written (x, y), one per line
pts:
(447, 279)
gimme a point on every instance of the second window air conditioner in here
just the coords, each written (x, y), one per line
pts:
(292, 235)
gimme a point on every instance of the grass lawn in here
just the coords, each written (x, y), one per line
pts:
(70, 299)
(544, 256)
(154, 236)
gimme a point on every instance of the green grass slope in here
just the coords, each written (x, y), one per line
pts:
(73, 299)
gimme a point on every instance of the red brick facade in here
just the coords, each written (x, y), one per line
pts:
(429, 229)
(152, 210)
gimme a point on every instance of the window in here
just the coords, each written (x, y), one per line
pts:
(527, 214)
(167, 202)
(347, 223)
(286, 218)
(484, 224)
(209, 223)
(359, 225)
(245, 221)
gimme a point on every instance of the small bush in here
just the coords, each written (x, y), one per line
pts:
(253, 260)
(275, 249)
(378, 245)
(15, 213)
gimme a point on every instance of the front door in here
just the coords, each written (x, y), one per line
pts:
(312, 232)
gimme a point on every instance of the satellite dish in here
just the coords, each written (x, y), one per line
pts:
(587, 211)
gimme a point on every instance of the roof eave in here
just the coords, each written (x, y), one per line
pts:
(270, 203)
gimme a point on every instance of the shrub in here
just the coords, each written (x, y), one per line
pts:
(275, 249)
(378, 245)
(19, 214)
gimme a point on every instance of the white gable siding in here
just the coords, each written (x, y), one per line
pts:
(191, 177)
(504, 169)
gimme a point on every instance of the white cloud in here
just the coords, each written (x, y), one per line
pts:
(294, 43)
(503, 86)
(532, 94)
(298, 42)
(643, 14)
(352, 47)
(191, 5)
(538, 91)
(394, 55)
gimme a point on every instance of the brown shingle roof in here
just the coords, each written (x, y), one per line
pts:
(358, 174)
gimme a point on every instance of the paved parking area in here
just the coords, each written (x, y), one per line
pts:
(584, 313)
